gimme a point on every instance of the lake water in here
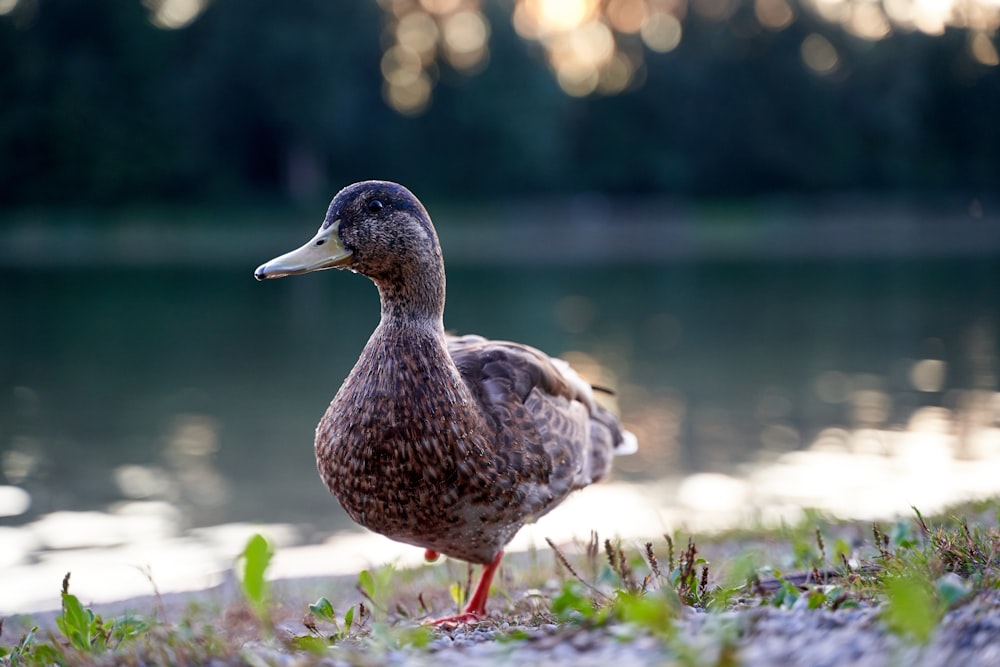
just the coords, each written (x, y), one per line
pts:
(177, 405)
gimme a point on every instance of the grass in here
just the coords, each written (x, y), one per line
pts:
(912, 571)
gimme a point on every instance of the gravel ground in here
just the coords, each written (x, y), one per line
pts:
(755, 637)
(969, 635)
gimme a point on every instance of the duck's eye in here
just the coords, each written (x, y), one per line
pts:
(374, 206)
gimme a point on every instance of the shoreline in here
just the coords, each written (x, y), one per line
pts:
(586, 229)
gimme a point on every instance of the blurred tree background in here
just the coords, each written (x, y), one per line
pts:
(221, 102)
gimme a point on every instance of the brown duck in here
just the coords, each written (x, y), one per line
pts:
(447, 443)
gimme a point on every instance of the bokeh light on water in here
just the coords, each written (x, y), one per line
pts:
(153, 418)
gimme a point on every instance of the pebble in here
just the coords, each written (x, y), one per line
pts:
(752, 636)
(756, 637)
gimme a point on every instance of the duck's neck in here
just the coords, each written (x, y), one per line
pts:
(414, 298)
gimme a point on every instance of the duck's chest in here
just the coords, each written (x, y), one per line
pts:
(402, 432)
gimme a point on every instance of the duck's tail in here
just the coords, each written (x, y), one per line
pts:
(629, 444)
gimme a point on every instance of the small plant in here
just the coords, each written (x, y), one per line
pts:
(654, 611)
(691, 587)
(651, 603)
(318, 641)
(251, 570)
(85, 636)
(912, 608)
(83, 629)
(21, 651)
(572, 604)
(377, 586)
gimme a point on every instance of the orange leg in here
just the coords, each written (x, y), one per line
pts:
(476, 609)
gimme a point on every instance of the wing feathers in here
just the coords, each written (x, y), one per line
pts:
(519, 387)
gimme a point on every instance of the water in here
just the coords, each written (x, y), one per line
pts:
(187, 398)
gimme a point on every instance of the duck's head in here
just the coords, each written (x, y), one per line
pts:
(376, 228)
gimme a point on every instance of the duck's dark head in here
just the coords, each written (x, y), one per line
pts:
(376, 228)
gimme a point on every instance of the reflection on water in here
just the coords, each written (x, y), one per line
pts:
(151, 420)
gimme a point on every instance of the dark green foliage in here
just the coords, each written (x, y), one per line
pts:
(101, 107)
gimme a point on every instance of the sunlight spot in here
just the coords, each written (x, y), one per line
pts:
(231, 537)
(832, 439)
(19, 461)
(931, 16)
(538, 18)
(713, 492)
(401, 66)
(466, 32)
(14, 501)
(72, 530)
(930, 419)
(616, 75)
(819, 55)
(661, 32)
(525, 23)
(773, 14)
(833, 11)
(174, 14)
(417, 32)
(900, 12)
(192, 437)
(592, 44)
(410, 98)
(626, 16)
(136, 481)
(578, 55)
(868, 22)
(440, 6)
(871, 406)
(7, 6)
(928, 375)
(982, 49)
(578, 79)
(469, 61)
(18, 544)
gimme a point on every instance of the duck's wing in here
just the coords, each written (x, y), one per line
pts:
(541, 405)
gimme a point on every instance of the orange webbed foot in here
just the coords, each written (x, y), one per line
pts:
(453, 622)
(475, 611)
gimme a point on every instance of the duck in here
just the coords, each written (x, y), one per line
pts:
(447, 443)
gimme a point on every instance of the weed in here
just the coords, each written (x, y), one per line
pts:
(912, 608)
(83, 629)
(377, 587)
(15, 654)
(251, 570)
(912, 571)
(318, 641)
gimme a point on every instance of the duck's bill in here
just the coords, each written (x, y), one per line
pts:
(323, 251)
